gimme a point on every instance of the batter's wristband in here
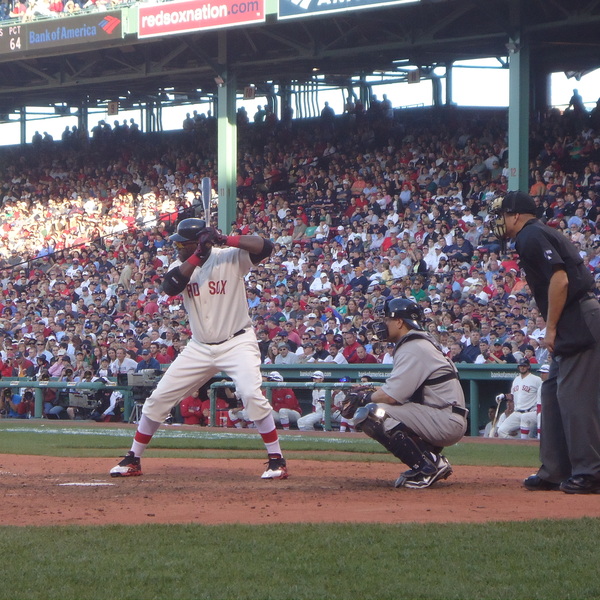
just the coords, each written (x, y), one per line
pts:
(194, 260)
(233, 241)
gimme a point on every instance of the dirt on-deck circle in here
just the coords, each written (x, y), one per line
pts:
(59, 491)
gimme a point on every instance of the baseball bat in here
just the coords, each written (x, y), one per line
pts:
(206, 191)
(495, 419)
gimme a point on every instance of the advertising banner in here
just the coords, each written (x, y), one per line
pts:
(291, 9)
(194, 15)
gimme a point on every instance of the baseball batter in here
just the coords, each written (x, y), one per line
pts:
(211, 281)
(524, 393)
(421, 406)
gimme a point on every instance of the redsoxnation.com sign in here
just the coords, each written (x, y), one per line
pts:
(194, 15)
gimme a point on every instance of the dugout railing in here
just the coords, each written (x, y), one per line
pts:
(480, 384)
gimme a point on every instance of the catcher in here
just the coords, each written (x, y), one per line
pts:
(421, 407)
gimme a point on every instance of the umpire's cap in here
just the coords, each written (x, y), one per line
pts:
(518, 202)
(403, 308)
(188, 230)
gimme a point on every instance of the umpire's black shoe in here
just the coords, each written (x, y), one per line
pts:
(535, 483)
(581, 484)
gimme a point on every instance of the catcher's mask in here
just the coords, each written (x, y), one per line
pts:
(512, 203)
(188, 230)
(396, 308)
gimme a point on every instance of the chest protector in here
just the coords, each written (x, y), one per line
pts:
(417, 396)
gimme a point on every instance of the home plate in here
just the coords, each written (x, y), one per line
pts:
(88, 483)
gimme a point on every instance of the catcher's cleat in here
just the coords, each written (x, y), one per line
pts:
(410, 474)
(130, 466)
(424, 480)
(276, 469)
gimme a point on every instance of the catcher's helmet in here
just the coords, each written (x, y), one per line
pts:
(403, 308)
(188, 230)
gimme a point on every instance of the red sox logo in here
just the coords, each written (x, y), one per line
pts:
(215, 288)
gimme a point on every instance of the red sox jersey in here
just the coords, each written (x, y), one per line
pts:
(284, 398)
(525, 391)
(215, 297)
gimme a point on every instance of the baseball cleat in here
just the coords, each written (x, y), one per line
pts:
(535, 483)
(130, 466)
(581, 484)
(425, 480)
(276, 469)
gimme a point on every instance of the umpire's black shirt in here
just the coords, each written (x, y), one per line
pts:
(541, 249)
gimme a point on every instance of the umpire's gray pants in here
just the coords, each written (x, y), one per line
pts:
(570, 438)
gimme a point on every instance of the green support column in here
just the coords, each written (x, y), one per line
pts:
(23, 125)
(227, 140)
(227, 153)
(518, 115)
(474, 407)
(449, 86)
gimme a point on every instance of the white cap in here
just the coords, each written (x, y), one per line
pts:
(545, 368)
(319, 374)
(274, 376)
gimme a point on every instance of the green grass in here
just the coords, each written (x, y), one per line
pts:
(85, 440)
(542, 559)
(528, 560)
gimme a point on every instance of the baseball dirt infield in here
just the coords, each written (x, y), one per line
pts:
(49, 490)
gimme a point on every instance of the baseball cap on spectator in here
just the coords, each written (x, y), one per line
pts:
(283, 345)
(545, 368)
(512, 296)
(18, 355)
(340, 228)
(318, 375)
(274, 376)
(311, 316)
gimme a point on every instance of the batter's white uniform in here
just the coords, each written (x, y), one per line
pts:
(524, 419)
(223, 339)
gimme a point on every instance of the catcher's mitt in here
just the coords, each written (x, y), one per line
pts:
(355, 398)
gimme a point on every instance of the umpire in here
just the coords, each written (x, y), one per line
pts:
(562, 288)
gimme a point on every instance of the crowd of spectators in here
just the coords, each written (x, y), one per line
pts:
(29, 10)
(361, 207)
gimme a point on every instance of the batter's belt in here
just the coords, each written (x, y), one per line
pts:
(229, 338)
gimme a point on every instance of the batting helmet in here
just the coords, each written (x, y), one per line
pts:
(188, 230)
(403, 308)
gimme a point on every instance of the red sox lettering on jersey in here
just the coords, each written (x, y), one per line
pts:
(524, 391)
(214, 287)
(215, 297)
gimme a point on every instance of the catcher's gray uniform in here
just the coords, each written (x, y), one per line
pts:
(434, 410)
